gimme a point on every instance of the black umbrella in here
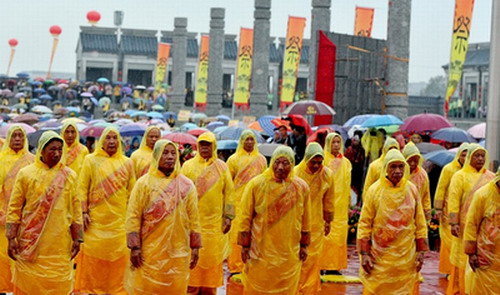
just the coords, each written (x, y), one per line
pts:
(34, 137)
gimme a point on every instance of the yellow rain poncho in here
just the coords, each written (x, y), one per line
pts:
(243, 167)
(45, 216)
(105, 183)
(275, 222)
(334, 255)
(375, 168)
(11, 163)
(215, 186)
(144, 155)
(322, 198)
(163, 212)
(419, 178)
(74, 154)
(441, 203)
(481, 238)
(372, 143)
(462, 188)
(392, 229)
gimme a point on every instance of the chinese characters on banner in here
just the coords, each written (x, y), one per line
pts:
(459, 45)
(364, 21)
(161, 64)
(244, 69)
(291, 60)
(200, 96)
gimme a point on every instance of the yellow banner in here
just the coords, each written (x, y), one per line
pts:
(244, 69)
(459, 45)
(364, 21)
(161, 64)
(200, 96)
(291, 60)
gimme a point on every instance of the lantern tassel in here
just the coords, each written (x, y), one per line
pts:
(12, 52)
(53, 53)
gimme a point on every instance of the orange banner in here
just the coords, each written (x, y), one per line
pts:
(364, 21)
(200, 97)
(244, 69)
(161, 64)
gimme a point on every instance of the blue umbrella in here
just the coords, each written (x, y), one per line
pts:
(482, 142)
(36, 83)
(35, 101)
(453, 134)
(127, 90)
(223, 118)
(23, 75)
(188, 126)
(381, 120)
(218, 130)
(357, 120)
(46, 97)
(103, 80)
(167, 115)
(155, 115)
(39, 91)
(140, 114)
(266, 125)
(132, 130)
(94, 101)
(223, 145)
(130, 112)
(212, 125)
(234, 133)
(440, 158)
(127, 99)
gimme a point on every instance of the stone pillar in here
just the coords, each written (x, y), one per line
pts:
(493, 116)
(398, 46)
(320, 21)
(260, 62)
(179, 48)
(215, 59)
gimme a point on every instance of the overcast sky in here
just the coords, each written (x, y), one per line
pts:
(29, 22)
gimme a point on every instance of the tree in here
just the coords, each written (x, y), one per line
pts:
(435, 87)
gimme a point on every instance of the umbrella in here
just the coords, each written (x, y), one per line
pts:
(6, 93)
(157, 107)
(255, 126)
(140, 114)
(267, 123)
(453, 134)
(35, 101)
(103, 80)
(73, 120)
(104, 101)
(49, 82)
(5, 128)
(39, 91)
(51, 124)
(198, 116)
(381, 120)
(26, 89)
(86, 94)
(94, 101)
(218, 130)
(42, 110)
(53, 88)
(338, 129)
(482, 142)
(46, 97)
(20, 106)
(234, 133)
(357, 120)
(440, 158)
(309, 107)
(223, 118)
(140, 87)
(19, 95)
(133, 130)
(478, 130)
(426, 147)
(155, 115)
(224, 145)
(127, 99)
(34, 137)
(75, 103)
(122, 122)
(197, 131)
(27, 118)
(299, 120)
(181, 138)
(425, 122)
(267, 149)
(127, 90)
(188, 126)
(92, 131)
(63, 86)
(212, 125)
(23, 75)
(36, 83)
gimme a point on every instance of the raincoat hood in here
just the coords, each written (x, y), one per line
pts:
(391, 157)
(209, 137)
(281, 151)
(47, 137)
(473, 148)
(158, 150)
(410, 151)
(497, 176)
(6, 145)
(312, 150)
(144, 138)
(328, 142)
(240, 150)
(100, 144)
(65, 126)
(463, 147)
(388, 144)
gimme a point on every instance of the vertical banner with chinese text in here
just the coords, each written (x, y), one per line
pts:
(244, 69)
(364, 21)
(161, 64)
(200, 96)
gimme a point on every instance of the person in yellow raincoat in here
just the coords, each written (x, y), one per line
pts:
(482, 240)
(463, 185)
(163, 227)
(44, 222)
(334, 255)
(105, 182)
(75, 151)
(441, 206)
(418, 176)
(392, 232)
(14, 156)
(213, 182)
(143, 156)
(375, 168)
(321, 184)
(275, 228)
(372, 141)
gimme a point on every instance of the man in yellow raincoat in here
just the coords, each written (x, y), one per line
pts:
(163, 227)
(375, 168)
(75, 151)
(143, 156)
(213, 182)
(392, 232)
(441, 206)
(481, 239)
(105, 182)
(14, 156)
(334, 254)
(372, 141)
(44, 222)
(275, 228)
(321, 184)
(418, 176)
(464, 185)
(244, 165)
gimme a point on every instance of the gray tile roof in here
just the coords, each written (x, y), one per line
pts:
(477, 55)
(104, 43)
(192, 46)
(275, 54)
(139, 45)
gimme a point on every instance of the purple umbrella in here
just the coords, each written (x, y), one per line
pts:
(425, 122)
(86, 94)
(133, 130)
(127, 90)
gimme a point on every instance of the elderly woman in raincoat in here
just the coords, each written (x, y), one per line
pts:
(392, 232)
(464, 185)
(163, 227)
(75, 151)
(481, 239)
(44, 222)
(375, 168)
(105, 182)
(244, 165)
(215, 187)
(14, 156)
(275, 228)
(321, 184)
(143, 157)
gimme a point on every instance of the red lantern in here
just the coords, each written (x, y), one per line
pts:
(13, 42)
(55, 31)
(93, 17)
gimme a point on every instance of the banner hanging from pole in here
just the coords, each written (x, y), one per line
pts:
(364, 21)
(325, 76)
(161, 64)
(200, 96)
(244, 69)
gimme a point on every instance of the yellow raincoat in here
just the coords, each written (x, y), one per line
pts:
(44, 213)
(243, 167)
(462, 188)
(372, 144)
(375, 168)
(104, 186)
(419, 178)
(275, 222)
(163, 212)
(214, 185)
(481, 237)
(144, 155)
(11, 163)
(322, 198)
(334, 255)
(441, 203)
(74, 154)
(392, 229)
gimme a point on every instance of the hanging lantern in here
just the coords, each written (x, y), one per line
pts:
(13, 42)
(93, 17)
(55, 31)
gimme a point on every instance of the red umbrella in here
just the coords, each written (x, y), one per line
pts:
(299, 120)
(197, 131)
(181, 138)
(92, 131)
(28, 118)
(425, 122)
(323, 131)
